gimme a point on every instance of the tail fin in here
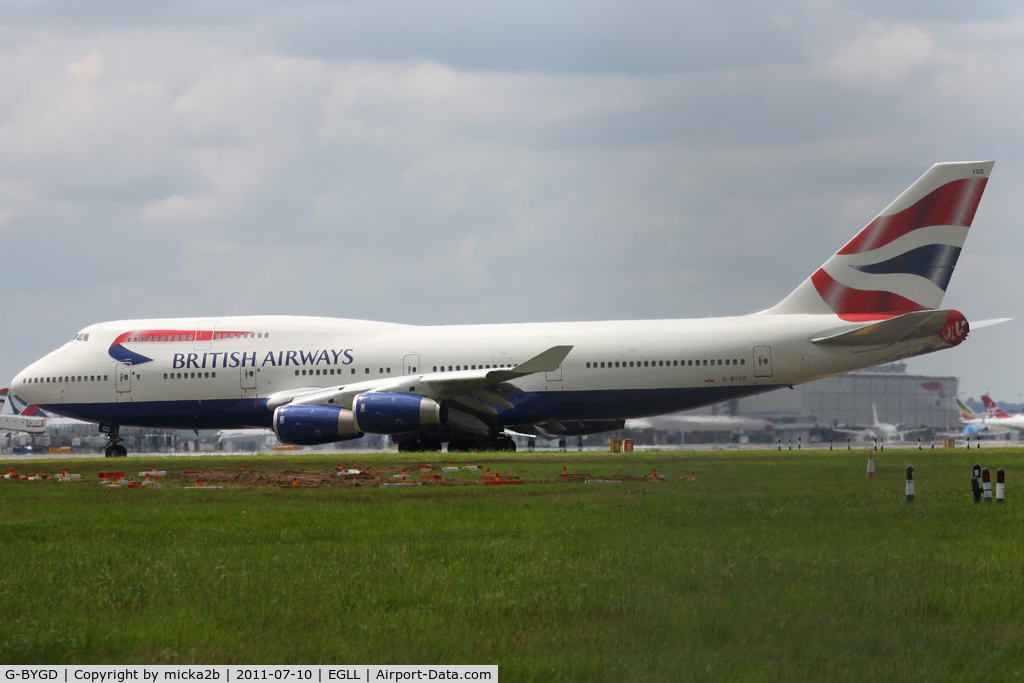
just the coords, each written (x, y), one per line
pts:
(874, 415)
(23, 407)
(993, 408)
(965, 412)
(903, 260)
(3, 398)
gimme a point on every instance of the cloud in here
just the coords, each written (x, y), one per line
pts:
(484, 163)
(885, 56)
(87, 67)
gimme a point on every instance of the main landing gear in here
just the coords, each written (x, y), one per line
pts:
(413, 445)
(499, 442)
(114, 448)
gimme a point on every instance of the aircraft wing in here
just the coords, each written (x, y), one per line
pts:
(477, 390)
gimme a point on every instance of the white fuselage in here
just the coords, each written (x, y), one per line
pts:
(217, 373)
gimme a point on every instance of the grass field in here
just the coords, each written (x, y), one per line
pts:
(770, 566)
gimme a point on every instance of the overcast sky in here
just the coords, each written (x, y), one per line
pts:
(436, 162)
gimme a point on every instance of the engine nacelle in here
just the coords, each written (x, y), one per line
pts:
(312, 425)
(394, 413)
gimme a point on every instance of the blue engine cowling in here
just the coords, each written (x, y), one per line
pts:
(312, 425)
(393, 413)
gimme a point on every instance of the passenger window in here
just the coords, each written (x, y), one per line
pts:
(743, 361)
(165, 375)
(367, 371)
(660, 363)
(353, 371)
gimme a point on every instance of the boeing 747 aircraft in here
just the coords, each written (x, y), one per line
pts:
(322, 380)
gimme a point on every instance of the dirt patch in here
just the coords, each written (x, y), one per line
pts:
(374, 478)
(256, 478)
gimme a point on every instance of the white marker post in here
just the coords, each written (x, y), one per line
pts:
(910, 483)
(986, 484)
(1000, 486)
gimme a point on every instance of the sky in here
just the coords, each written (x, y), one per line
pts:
(440, 162)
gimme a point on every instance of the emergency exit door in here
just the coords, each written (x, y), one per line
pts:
(762, 361)
(123, 378)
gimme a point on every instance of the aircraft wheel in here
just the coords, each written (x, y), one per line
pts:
(122, 452)
(110, 451)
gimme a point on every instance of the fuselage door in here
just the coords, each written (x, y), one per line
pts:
(554, 376)
(123, 377)
(204, 335)
(411, 364)
(762, 361)
(248, 377)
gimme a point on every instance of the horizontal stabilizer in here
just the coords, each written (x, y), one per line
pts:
(988, 323)
(948, 326)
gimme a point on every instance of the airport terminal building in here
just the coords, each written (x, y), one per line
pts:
(915, 401)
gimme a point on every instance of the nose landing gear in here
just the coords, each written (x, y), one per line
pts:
(114, 448)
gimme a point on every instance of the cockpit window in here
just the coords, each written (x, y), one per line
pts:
(82, 336)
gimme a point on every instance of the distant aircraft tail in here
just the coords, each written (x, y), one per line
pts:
(3, 398)
(992, 408)
(965, 412)
(23, 407)
(874, 416)
(903, 260)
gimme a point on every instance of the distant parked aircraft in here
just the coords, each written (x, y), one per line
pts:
(879, 430)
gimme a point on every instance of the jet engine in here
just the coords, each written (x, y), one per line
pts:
(394, 413)
(304, 425)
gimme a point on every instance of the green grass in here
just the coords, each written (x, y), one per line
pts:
(771, 566)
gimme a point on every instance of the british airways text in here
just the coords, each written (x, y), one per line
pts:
(234, 359)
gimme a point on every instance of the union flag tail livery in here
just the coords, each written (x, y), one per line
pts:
(324, 380)
(903, 260)
(992, 409)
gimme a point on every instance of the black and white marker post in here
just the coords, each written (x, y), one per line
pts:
(910, 483)
(976, 472)
(986, 484)
(1000, 486)
(976, 489)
